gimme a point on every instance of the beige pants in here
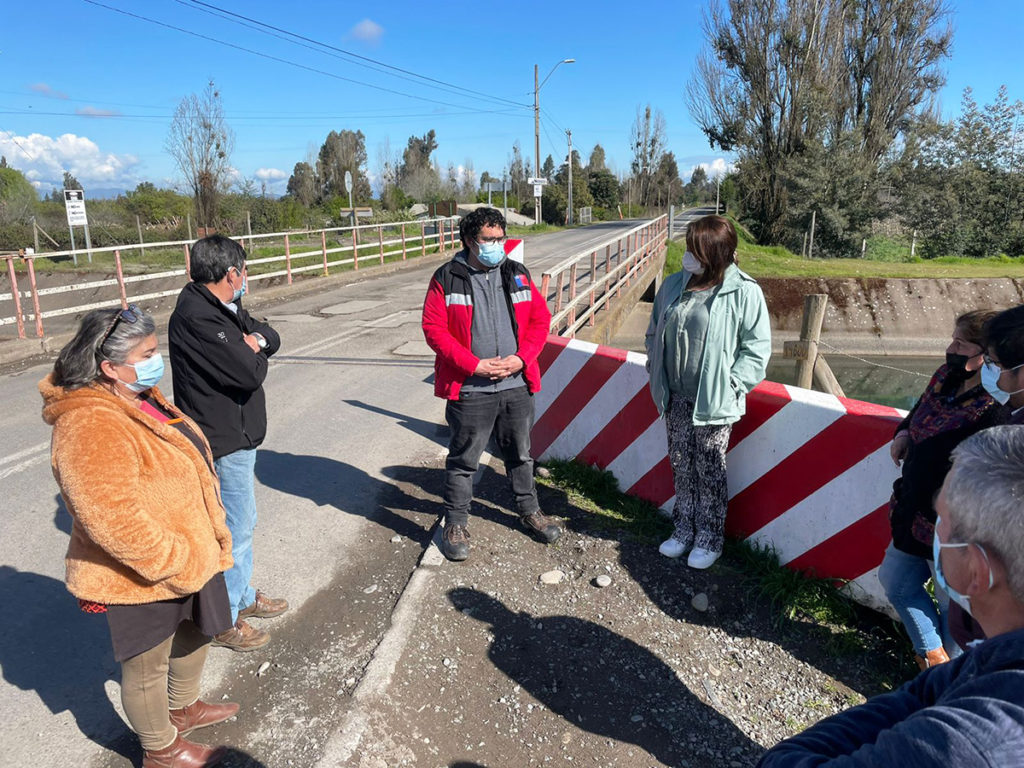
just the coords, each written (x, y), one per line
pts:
(163, 678)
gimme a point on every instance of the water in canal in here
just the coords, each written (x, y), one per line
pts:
(895, 381)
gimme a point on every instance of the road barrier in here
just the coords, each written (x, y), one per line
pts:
(809, 473)
(579, 293)
(368, 243)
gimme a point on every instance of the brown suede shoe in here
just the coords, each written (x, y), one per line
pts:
(932, 659)
(199, 714)
(548, 529)
(265, 607)
(242, 637)
(183, 754)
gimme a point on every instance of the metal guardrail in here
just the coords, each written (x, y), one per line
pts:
(399, 241)
(635, 250)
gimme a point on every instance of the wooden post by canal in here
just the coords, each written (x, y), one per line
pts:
(810, 333)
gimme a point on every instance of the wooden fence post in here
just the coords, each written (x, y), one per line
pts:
(13, 276)
(288, 258)
(120, 279)
(810, 332)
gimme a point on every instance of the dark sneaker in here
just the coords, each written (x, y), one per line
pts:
(242, 637)
(265, 607)
(547, 529)
(455, 542)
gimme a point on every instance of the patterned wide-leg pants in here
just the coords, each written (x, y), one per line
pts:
(697, 455)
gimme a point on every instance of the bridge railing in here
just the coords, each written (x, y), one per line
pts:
(591, 279)
(300, 251)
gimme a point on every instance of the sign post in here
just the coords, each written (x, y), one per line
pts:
(538, 191)
(348, 188)
(74, 205)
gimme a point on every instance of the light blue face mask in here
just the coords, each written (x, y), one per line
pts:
(990, 373)
(491, 254)
(148, 373)
(240, 292)
(964, 601)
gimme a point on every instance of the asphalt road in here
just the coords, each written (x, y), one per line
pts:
(347, 493)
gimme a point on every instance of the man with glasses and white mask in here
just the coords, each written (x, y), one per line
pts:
(487, 323)
(1003, 372)
(970, 711)
(219, 357)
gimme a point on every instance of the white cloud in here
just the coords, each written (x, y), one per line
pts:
(46, 90)
(717, 167)
(43, 160)
(368, 31)
(270, 174)
(96, 112)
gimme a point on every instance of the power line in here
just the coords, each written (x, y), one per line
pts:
(265, 119)
(372, 64)
(13, 138)
(269, 57)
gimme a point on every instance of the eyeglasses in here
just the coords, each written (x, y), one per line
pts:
(489, 240)
(129, 315)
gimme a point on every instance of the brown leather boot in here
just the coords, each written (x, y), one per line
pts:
(264, 607)
(183, 754)
(546, 528)
(200, 714)
(242, 637)
(932, 659)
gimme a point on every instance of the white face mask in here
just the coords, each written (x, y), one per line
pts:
(691, 265)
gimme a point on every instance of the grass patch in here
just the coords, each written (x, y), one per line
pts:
(533, 229)
(673, 257)
(597, 491)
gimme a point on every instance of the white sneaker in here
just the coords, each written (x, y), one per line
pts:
(672, 548)
(702, 558)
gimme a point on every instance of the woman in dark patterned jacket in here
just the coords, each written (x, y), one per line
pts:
(953, 406)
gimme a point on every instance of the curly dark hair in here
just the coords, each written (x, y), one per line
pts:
(1004, 335)
(470, 225)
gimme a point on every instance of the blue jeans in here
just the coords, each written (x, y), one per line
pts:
(237, 473)
(903, 578)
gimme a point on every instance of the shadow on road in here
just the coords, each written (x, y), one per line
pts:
(603, 682)
(428, 429)
(49, 646)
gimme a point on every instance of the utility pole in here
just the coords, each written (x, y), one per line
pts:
(537, 85)
(718, 187)
(536, 141)
(569, 212)
(810, 245)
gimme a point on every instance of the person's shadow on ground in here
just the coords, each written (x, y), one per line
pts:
(606, 684)
(48, 645)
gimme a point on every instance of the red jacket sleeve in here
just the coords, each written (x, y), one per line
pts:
(439, 337)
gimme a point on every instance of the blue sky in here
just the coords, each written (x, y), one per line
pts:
(92, 90)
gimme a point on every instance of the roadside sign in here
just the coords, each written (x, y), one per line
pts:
(74, 203)
(348, 181)
(494, 186)
(536, 181)
(538, 190)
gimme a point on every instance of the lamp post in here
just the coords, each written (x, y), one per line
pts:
(537, 85)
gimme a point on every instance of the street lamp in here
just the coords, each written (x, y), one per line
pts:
(537, 85)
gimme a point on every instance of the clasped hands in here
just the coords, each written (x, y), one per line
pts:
(498, 368)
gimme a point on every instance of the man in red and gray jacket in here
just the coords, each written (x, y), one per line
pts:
(487, 323)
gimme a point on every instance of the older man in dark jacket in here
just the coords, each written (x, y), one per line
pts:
(219, 356)
(969, 712)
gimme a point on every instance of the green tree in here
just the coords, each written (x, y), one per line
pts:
(547, 170)
(153, 205)
(70, 182)
(604, 188)
(302, 184)
(597, 161)
(17, 196)
(343, 151)
(417, 176)
(811, 94)
(647, 138)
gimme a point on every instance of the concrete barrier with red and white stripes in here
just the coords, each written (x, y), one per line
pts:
(809, 473)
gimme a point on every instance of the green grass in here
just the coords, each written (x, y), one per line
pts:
(533, 229)
(884, 257)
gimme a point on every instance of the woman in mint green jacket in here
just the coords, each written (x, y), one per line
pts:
(708, 343)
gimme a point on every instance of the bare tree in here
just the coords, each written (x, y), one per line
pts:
(647, 139)
(201, 142)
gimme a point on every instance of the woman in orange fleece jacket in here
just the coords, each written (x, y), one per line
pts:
(148, 539)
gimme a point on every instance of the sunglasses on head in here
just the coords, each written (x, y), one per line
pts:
(129, 314)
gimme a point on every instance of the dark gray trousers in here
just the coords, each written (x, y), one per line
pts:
(472, 419)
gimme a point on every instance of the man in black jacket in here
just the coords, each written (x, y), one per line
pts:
(219, 359)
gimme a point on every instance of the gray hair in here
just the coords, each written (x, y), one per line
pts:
(986, 492)
(101, 336)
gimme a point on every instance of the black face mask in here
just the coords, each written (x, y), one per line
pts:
(958, 372)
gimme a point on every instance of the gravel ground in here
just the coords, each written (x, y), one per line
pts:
(664, 666)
